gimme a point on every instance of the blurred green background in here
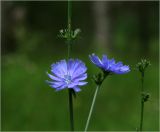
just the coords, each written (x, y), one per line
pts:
(126, 31)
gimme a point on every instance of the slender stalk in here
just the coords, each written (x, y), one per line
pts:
(69, 28)
(142, 103)
(91, 109)
(69, 48)
(141, 121)
(71, 110)
(69, 15)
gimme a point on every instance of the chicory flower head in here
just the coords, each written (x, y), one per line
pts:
(109, 65)
(70, 74)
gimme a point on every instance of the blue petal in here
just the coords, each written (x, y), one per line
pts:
(73, 84)
(104, 59)
(111, 62)
(57, 84)
(54, 78)
(72, 65)
(79, 68)
(49, 82)
(63, 66)
(77, 89)
(119, 64)
(56, 71)
(110, 66)
(122, 70)
(96, 60)
(115, 67)
(80, 77)
(61, 87)
(59, 69)
(82, 83)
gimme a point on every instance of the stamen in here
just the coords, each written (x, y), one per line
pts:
(67, 79)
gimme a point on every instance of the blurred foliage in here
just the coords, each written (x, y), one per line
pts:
(30, 45)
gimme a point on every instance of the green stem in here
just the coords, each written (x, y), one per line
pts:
(69, 15)
(69, 48)
(91, 109)
(71, 110)
(142, 110)
(69, 28)
(142, 103)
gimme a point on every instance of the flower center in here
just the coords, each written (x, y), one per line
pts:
(67, 79)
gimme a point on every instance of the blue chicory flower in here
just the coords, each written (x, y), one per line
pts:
(70, 74)
(109, 65)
